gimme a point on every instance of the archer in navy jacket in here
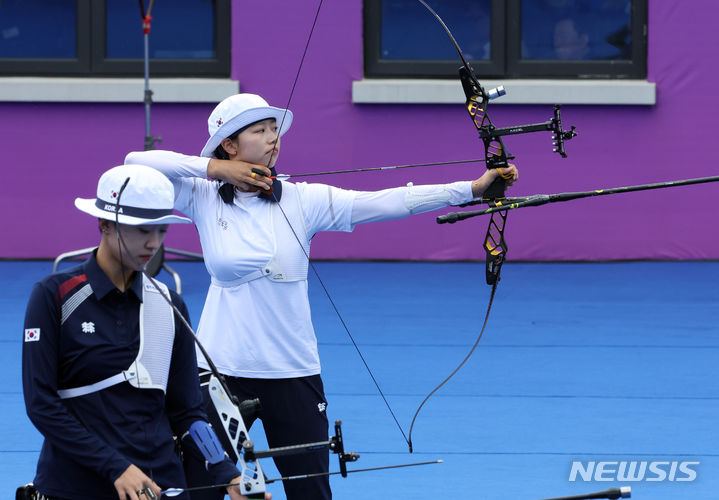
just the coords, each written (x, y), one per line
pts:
(82, 326)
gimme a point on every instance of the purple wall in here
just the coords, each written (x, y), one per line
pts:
(54, 152)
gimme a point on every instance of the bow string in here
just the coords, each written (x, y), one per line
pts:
(495, 157)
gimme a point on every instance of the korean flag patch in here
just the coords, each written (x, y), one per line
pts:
(32, 334)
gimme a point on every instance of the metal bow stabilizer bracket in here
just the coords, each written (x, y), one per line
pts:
(335, 444)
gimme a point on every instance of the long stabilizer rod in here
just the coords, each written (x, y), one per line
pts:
(543, 199)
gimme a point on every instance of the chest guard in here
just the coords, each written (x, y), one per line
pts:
(289, 262)
(151, 367)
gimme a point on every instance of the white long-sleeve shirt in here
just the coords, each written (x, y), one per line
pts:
(263, 328)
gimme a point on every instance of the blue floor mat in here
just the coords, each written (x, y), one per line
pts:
(612, 363)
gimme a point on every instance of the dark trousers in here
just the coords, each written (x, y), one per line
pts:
(292, 412)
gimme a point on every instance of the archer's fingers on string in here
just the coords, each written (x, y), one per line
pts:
(262, 185)
(261, 170)
(260, 180)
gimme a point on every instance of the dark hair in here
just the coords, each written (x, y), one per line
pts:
(226, 190)
(220, 152)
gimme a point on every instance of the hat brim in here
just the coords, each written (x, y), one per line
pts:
(282, 116)
(88, 206)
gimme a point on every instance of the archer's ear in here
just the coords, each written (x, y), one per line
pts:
(229, 145)
(105, 226)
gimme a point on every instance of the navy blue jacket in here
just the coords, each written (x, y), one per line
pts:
(91, 440)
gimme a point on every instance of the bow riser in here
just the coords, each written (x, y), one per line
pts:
(495, 246)
(495, 155)
(252, 479)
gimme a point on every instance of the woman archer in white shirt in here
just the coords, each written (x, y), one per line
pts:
(255, 233)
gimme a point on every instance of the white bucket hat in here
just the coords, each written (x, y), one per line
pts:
(148, 197)
(238, 111)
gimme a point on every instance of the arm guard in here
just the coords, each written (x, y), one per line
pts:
(207, 441)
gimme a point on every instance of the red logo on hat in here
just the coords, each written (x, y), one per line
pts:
(114, 194)
(219, 122)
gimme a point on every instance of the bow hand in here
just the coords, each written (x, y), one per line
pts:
(493, 181)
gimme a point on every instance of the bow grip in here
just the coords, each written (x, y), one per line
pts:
(496, 189)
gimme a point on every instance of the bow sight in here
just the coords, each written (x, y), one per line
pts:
(496, 154)
(490, 132)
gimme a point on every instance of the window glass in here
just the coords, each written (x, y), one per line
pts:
(37, 29)
(576, 29)
(171, 35)
(410, 32)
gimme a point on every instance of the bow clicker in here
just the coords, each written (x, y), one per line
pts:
(495, 156)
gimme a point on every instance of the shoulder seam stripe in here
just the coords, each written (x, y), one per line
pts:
(68, 285)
